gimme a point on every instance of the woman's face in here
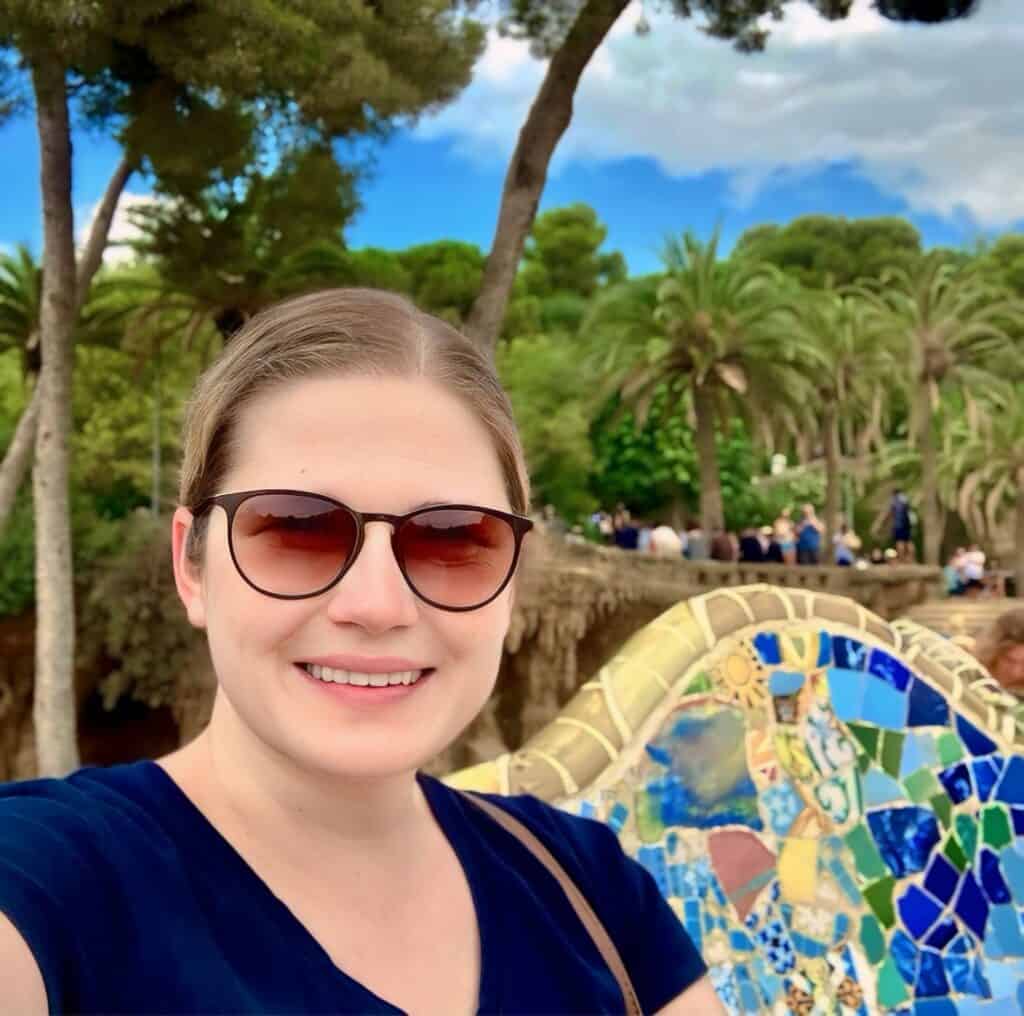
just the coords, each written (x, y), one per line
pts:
(379, 445)
(1009, 669)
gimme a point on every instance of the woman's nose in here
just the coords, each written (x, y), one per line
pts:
(373, 593)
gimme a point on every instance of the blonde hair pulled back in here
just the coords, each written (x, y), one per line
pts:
(355, 332)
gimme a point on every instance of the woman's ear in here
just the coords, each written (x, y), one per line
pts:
(188, 578)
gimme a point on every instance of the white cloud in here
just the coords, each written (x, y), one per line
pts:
(122, 230)
(934, 115)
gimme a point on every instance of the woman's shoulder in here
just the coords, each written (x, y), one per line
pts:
(88, 818)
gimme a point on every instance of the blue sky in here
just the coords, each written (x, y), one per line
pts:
(676, 131)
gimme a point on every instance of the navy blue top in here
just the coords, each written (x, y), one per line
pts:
(131, 901)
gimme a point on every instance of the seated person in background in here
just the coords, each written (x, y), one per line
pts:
(665, 541)
(697, 545)
(774, 552)
(751, 551)
(722, 548)
(1001, 649)
(973, 571)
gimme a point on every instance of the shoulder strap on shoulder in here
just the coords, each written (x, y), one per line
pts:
(579, 903)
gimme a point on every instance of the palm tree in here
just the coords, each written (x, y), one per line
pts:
(850, 388)
(709, 333)
(950, 325)
(987, 455)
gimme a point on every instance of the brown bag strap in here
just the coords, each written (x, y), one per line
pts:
(579, 903)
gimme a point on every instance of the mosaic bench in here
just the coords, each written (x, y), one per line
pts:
(832, 804)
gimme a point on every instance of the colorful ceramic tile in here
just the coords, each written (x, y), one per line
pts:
(918, 911)
(868, 738)
(995, 826)
(1011, 786)
(905, 837)
(949, 747)
(798, 869)
(974, 740)
(885, 707)
(927, 707)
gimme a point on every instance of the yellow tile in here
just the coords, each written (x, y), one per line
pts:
(798, 870)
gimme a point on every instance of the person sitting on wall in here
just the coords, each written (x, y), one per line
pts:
(751, 551)
(808, 538)
(1001, 649)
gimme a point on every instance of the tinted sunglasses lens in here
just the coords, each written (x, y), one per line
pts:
(456, 557)
(292, 544)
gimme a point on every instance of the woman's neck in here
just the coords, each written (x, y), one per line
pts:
(247, 788)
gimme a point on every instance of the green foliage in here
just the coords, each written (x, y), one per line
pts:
(541, 375)
(131, 615)
(823, 250)
(444, 277)
(562, 254)
(648, 467)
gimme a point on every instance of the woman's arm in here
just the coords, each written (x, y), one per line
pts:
(23, 983)
(699, 999)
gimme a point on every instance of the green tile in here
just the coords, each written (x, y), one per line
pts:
(891, 989)
(872, 938)
(892, 752)
(879, 897)
(995, 826)
(865, 853)
(955, 853)
(941, 805)
(967, 834)
(702, 682)
(867, 737)
(921, 785)
(863, 763)
(950, 748)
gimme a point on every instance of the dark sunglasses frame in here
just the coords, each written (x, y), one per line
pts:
(519, 524)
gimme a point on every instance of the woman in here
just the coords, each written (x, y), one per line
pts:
(784, 534)
(1001, 649)
(355, 598)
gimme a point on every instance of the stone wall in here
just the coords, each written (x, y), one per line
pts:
(575, 605)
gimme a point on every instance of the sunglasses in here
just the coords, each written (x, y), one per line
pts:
(291, 545)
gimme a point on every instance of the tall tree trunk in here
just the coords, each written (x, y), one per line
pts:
(931, 527)
(712, 515)
(19, 455)
(1019, 536)
(54, 707)
(830, 428)
(548, 119)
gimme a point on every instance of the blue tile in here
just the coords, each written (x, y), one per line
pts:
(824, 649)
(986, 773)
(1011, 786)
(889, 669)
(767, 645)
(905, 837)
(785, 682)
(942, 935)
(849, 653)
(919, 752)
(1013, 869)
(931, 975)
(957, 781)
(918, 911)
(941, 879)
(904, 954)
(971, 906)
(880, 788)
(992, 880)
(1005, 937)
(974, 740)
(884, 706)
(935, 1007)
(846, 691)
(927, 707)
(1018, 821)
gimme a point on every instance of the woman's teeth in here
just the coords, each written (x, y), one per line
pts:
(332, 676)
